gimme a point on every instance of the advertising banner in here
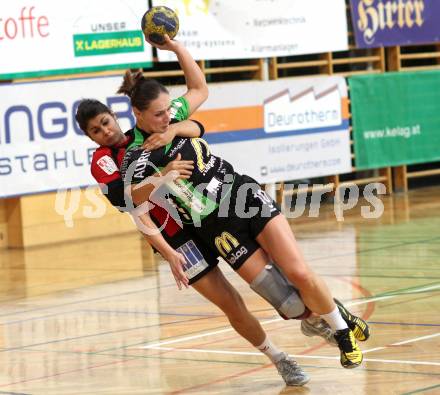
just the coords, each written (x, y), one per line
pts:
(378, 23)
(396, 118)
(41, 147)
(48, 37)
(274, 131)
(280, 130)
(231, 29)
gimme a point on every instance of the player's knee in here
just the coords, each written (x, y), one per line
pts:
(233, 305)
(273, 286)
(302, 277)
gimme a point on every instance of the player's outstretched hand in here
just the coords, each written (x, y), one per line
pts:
(176, 261)
(168, 44)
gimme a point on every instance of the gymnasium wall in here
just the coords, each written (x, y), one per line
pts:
(3, 224)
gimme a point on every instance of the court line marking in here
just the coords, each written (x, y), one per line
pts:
(416, 339)
(254, 353)
(183, 339)
(354, 303)
(173, 284)
(422, 390)
(159, 345)
(401, 323)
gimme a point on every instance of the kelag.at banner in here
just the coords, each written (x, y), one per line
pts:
(379, 23)
(396, 118)
(48, 37)
(244, 29)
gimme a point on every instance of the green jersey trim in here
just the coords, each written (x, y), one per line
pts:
(179, 109)
(168, 147)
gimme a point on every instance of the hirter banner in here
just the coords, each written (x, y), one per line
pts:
(382, 23)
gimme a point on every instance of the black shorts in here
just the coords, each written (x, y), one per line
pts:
(232, 229)
(200, 259)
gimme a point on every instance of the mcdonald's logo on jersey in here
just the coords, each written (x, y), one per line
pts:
(225, 243)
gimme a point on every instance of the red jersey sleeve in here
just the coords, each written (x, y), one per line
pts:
(103, 167)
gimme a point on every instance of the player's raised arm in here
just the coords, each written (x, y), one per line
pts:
(197, 91)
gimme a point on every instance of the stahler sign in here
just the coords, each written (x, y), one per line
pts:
(41, 146)
(379, 23)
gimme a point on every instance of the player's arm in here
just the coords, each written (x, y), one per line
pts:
(188, 128)
(196, 84)
(139, 191)
(114, 192)
(106, 173)
(152, 234)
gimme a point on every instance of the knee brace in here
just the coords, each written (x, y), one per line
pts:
(271, 284)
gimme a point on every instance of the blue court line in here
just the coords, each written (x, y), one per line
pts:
(304, 365)
(85, 300)
(106, 312)
(359, 252)
(421, 390)
(153, 313)
(100, 334)
(378, 276)
(62, 269)
(39, 318)
(403, 256)
(13, 393)
(400, 323)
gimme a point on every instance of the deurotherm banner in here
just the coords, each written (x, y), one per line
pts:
(280, 130)
(47, 37)
(396, 118)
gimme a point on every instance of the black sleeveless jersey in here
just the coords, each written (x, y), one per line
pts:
(194, 198)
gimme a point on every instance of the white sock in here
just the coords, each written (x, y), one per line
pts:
(272, 352)
(335, 320)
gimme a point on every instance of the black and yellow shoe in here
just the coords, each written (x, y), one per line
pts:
(351, 355)
(358, 326)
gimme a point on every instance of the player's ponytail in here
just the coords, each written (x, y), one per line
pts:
(140, 90)
(129, 83)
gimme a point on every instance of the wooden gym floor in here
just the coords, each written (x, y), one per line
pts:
(101, 318)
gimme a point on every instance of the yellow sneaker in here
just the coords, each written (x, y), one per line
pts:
(358, 326)
(351, 355)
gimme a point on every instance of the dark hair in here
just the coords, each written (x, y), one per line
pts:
(140, 90)
(88, 109)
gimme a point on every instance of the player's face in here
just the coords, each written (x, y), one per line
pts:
(156, 118)
(104, 130)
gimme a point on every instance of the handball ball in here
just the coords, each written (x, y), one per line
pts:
(158, 21)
